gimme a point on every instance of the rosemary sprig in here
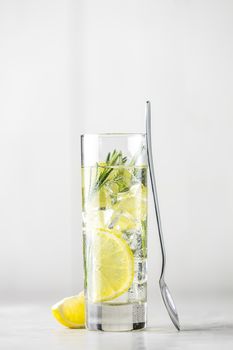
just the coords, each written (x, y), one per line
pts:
(114, 158)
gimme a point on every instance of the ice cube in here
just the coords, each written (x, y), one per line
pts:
(97, 218)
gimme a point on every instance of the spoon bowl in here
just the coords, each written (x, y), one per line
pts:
(169, 303)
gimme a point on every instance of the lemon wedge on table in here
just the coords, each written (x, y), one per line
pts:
(113, 267)
(70, 312)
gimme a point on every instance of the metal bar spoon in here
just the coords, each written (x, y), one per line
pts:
(166, 295)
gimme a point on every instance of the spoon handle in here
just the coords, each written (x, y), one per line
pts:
(153, 184)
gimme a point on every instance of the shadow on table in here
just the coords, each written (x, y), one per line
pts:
(208, 327)
(216, 327)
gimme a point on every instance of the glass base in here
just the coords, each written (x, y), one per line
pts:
(116, 317)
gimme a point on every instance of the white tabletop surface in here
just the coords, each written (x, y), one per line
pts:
(206, 324)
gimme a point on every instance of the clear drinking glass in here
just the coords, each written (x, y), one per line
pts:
(114, 205)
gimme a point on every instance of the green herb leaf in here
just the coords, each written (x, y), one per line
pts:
(114, 158)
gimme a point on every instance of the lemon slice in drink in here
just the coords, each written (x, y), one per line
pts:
(113, 267)
(70, 312)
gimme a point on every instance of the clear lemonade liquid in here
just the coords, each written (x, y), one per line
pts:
(114, 204)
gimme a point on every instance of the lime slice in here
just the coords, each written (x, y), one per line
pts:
(113, 267)
(70, 312)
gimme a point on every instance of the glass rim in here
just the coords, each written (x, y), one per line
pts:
(114, 134)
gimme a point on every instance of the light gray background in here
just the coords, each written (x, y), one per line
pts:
(68, 67)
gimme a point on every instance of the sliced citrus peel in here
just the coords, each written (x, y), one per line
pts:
(113, 267)
(70, 312)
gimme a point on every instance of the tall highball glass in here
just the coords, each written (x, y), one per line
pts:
(114, 209)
